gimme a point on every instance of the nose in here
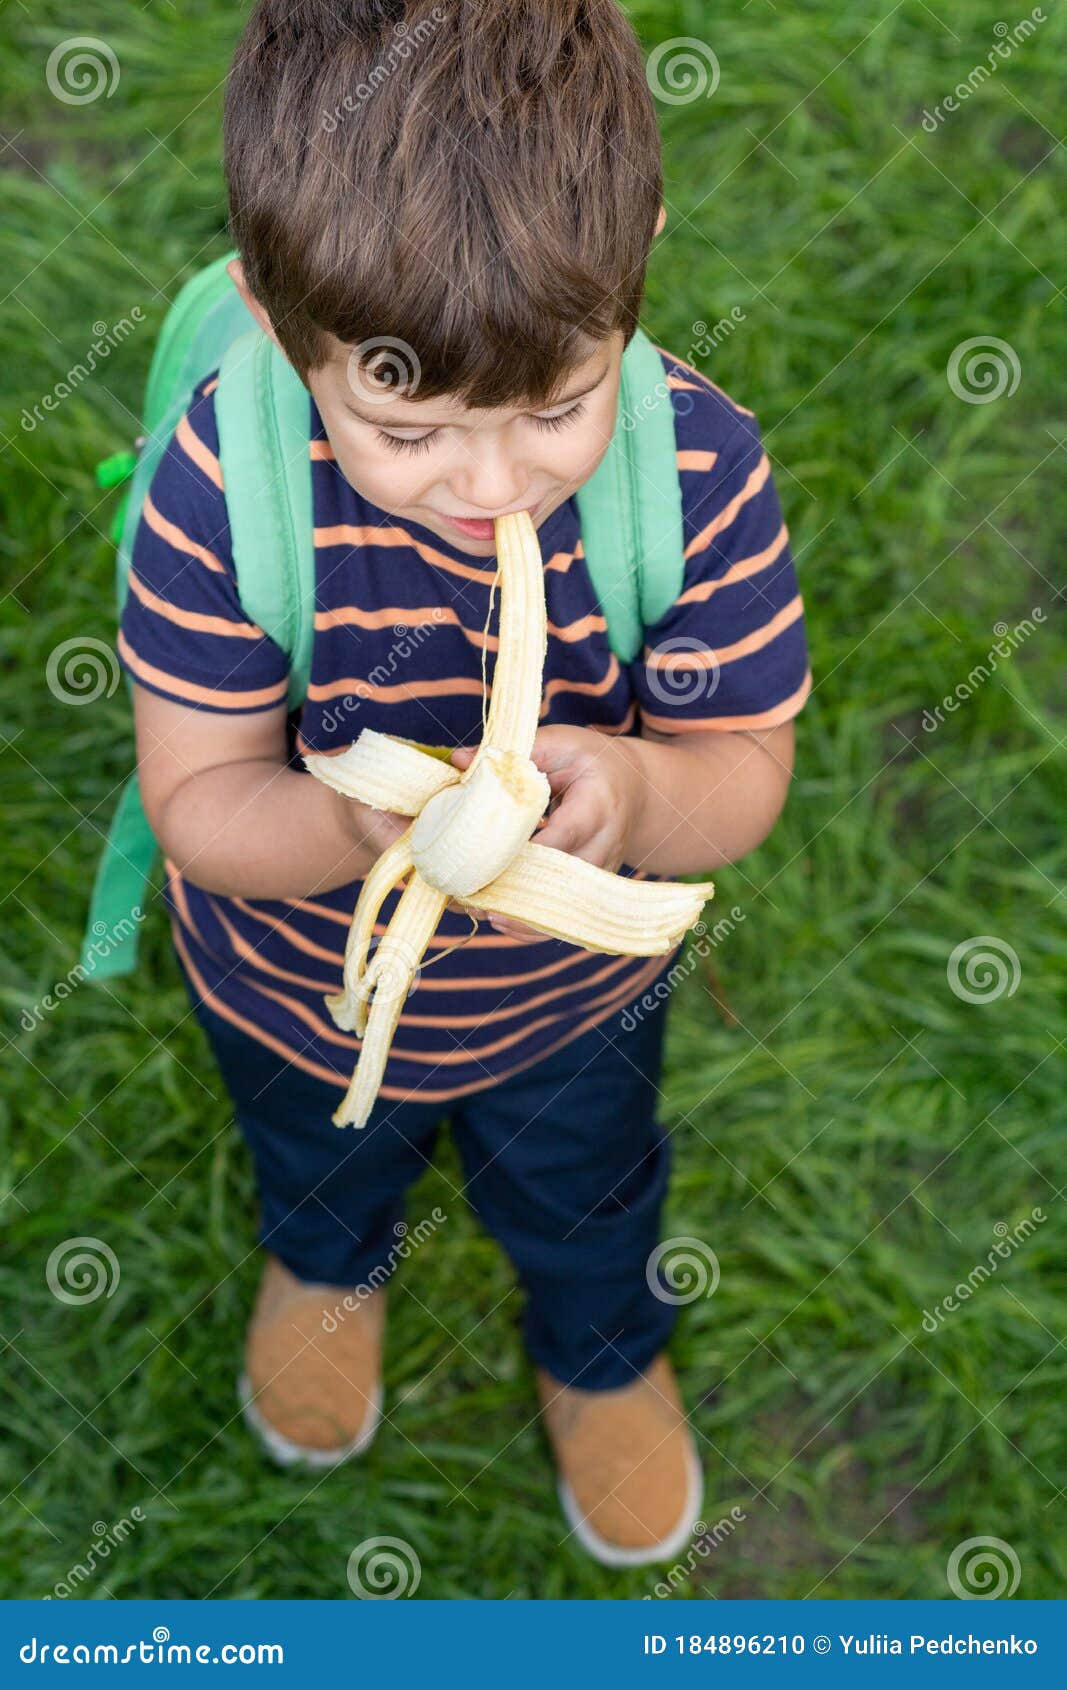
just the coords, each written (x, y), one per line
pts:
(489, 478)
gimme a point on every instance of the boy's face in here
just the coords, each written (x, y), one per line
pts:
(452, 469)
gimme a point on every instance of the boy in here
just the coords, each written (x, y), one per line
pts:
(443, 216)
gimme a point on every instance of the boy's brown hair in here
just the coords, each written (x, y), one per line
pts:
(476, 179)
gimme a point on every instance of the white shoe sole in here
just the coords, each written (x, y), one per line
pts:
(612, 1554)
(289, 1454)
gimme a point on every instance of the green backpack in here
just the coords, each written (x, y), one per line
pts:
(630, 511)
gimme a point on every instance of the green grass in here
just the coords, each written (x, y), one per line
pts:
(850, 1138)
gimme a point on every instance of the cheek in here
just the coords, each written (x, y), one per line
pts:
(576, 455)
(385, 478)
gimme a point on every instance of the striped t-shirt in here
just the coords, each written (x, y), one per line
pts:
(399, 624)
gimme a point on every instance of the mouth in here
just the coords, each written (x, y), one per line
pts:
(480, 528)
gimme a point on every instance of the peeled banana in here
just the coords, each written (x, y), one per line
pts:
(470, 840)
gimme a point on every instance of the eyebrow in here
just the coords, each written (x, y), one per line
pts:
(413, 422)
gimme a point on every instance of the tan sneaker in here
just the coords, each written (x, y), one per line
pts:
(629, 1479)
(311, 1389)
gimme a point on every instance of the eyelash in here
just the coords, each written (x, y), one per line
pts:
(550, 424)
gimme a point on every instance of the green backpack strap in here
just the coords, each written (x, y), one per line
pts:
(123, 871)
(207, 312)
(264, 417)
(631, 508)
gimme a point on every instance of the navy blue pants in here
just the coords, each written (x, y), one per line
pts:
(564, 1164)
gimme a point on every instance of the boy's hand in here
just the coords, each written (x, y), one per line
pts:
(369, 830)
(597, 794)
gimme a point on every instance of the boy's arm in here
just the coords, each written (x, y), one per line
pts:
(231, 815)
(706, 798)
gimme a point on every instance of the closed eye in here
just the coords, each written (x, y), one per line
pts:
(397, 443)
(562, 420)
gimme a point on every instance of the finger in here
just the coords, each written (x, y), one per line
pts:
(516, 930)
(573, 823)
(462, 756)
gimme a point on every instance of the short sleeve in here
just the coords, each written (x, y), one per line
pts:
(731, 652)
(183, 632)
